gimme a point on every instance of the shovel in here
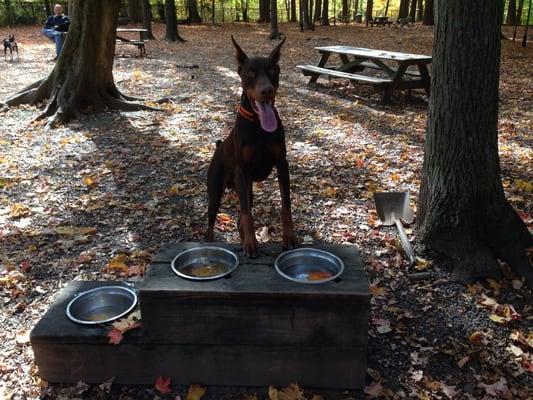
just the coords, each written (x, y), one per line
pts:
(391, 207)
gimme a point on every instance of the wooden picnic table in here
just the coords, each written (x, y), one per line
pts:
(380, 21)
(399, 70)
(139, 43)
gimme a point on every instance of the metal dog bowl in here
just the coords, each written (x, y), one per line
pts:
(308, 265)
(204, 263)
(102, 304)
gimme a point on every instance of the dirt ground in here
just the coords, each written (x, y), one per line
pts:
(74, 198)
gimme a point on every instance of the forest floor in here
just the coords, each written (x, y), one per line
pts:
(97, 198)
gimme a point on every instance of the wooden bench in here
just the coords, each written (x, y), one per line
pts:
(364, 79)
(138, 43)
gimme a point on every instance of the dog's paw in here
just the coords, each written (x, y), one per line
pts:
(289, 240)
(250, 246)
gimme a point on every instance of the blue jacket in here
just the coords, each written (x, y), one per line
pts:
(58, 22)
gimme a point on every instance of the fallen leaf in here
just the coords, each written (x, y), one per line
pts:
(106, 386)
(162, 385)
(195, 392)
(18, 210)
(374, 390)
(461, 363)
(23, 337)
(115, 336)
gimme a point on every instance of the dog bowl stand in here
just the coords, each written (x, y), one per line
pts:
(253, 328)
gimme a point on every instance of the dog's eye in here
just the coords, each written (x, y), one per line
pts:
(250, 74)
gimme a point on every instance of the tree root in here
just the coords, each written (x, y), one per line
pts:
(124, 105)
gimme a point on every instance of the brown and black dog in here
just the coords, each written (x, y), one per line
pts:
(255, 145)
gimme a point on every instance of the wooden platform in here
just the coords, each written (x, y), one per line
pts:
(254, 328)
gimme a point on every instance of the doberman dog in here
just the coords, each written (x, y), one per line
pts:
(255, 145)
(9, 43)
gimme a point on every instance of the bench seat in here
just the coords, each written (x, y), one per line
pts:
(314, 70)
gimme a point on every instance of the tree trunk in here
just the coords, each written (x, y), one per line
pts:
(264, 11)
(171, 23)
(134, 11)
(47, 7)
(345, 10)
(462, 211)
(82, 79)
(524, 39)
(403, 12)
(293, 11)
(511, 13)
(304, 14)
(274, 32)
(519, 12)
(412, 11)
(192, 8)
(429, 18)
(420, 11)
(318, 10)
(369, 5)
(387, 7)
(147, 19)
(245, 12)
(325, 12)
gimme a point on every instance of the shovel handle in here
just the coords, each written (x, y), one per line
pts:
(405, 242)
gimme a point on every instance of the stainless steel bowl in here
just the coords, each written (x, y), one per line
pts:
(204, 263)
(102, 304)
(308, 265)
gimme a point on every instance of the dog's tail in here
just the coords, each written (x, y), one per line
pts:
(219, 142)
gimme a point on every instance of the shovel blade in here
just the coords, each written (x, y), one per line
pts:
(393, 205)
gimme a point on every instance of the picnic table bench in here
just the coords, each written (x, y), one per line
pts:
(379, 21)
(139, 43)
(396, 68)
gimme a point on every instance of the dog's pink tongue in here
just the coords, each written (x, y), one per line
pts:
(267, 117)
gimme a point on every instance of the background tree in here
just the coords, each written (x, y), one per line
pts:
(304, 14)
(192, 9)
(369, 5)
(82, 78)
(264, 10)
(135, 11)
(318, 10)
(344, 10)
(293, 11)
(387, 8)
(171, 22)
(47, 7)
(412, 11)
(420, 11)
(462, 210)
(147, 19)
(524, 39)
(325, 12)
(274, 32)
(429, 18)
(403, 11)
(511, 13)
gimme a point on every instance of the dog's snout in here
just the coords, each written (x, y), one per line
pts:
(267, 90)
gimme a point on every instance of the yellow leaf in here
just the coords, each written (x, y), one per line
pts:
(329, 192)
(88, 181)
(497, 319)
(195, 392)
(18, 210)
(421, 264)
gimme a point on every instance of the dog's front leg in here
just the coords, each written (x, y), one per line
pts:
(289, 237)
(243, 185)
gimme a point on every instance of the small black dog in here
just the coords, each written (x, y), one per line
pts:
(10, 44)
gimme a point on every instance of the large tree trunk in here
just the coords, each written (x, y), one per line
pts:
(264, 11)
(511, 13)
(325, 12)
(171, 22)
(293, 11)
(274, 32)
(134, 11)
(82, 79)
(147, 19)
(369, 5)
(304, 14)
(318, 10)
(412, 12)
(420, 11)
(345, 10)
(403, 12)
(462, 210)
(194, 16)
(429, 18)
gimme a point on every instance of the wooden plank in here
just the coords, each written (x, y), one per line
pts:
(354, 77)
(131, 30)
(224, 365)
(373, 53)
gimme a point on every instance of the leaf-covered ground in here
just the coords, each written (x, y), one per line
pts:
(96, 200)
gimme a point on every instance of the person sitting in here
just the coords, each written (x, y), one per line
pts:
(56, 28)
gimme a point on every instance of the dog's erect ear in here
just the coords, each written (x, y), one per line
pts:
(274, 55)
(241, 55)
